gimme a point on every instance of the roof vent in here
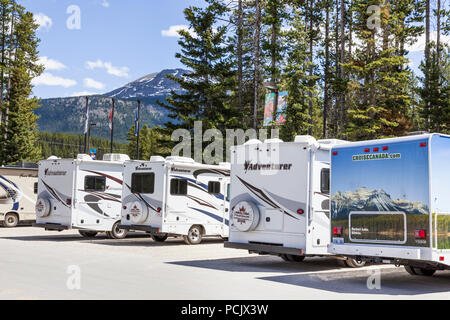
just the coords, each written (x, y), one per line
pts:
(157, 159)
(273, 141)
(84, 157)
(252, 142)
(181, 159)
(116, 157)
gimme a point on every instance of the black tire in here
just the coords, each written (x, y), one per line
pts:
(195, 236)
(425, 272)
(11, 220)
(159, 237)
(293, 258)
(284, 257)
(87, 234)
(117, 233)
(352, 263)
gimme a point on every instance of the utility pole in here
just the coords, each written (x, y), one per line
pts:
(86, 127)
(112, 124)
(138, 126)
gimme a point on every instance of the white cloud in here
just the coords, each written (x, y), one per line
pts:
(91, 83)
(105, 4)
(173, 31)
(44, 21)
(83, 93)
(115, 71)
(51, 64)
(419, 45)
(47, 79)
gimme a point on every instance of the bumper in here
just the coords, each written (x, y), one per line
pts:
(135, 227)
(264, 248)
(51, 227)
(389, 252)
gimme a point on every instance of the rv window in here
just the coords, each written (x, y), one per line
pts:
(325, 181)
(228, 192)
(178, 187)
(143, 183)
(35, 188)
(214, 187)
(94, 183)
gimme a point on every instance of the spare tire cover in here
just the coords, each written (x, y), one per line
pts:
(138, 212)
(43, 207)
(246, 216)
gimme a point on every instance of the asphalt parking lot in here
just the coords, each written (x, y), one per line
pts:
(36, 264)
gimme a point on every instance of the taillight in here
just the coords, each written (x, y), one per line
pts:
(441, 258)
(159, 209)
(420, 234)
(335, 153)
(69, 202)
(337, 231)
(124, 207)
(300, 211)
(423, 144)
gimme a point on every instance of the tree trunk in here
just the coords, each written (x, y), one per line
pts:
(311, 47)
(327, 73)
(256, 56)
(342, 60)
(239, 53)
(427, 64)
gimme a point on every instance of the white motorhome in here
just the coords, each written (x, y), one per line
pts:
(18, 194)
(82, 194)
(390, 202)
(280, 202)
(176, 197)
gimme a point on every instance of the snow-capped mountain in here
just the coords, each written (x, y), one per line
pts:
(364, 199)
(152, 85)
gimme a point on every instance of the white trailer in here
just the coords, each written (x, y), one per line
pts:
(18, 188)
(176, 197)
(82, 194)
(390, 202)
(280, 198)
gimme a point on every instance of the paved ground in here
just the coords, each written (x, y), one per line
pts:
(35, 264)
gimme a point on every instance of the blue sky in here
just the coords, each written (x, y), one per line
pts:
(401, 179)
(118, 42)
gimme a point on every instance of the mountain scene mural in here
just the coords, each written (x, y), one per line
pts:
(66, 115)
(364, 199)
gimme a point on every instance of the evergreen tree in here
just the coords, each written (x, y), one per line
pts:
(19, 132)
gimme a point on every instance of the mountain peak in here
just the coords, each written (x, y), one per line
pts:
(151, 85)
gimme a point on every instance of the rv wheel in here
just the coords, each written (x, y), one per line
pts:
(420, 271)
(117, 233)
(160, 238)
(87, 234)
(11, 220)
(293, 258)
(353, 263)
(194, 236)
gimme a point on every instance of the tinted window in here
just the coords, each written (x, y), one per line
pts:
(228, 192)
(35, 188)
(178, 187)
(143, 183)
(214, 187)
(325, 181)
(92, 183)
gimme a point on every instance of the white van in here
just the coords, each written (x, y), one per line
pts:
(81, 194)
(18, 188)
(280, 203)
(176, 196)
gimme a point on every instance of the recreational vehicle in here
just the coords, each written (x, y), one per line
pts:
(82, 194)
(18, 194)
(391, 203)
(176, 197)
(280, 198)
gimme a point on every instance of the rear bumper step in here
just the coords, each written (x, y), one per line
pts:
(51, 227)
(134, 227)
(264, 248)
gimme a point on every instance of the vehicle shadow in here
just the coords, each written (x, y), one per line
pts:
(146, 241)
(264, 264)
(390, 282)
(61, 237)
